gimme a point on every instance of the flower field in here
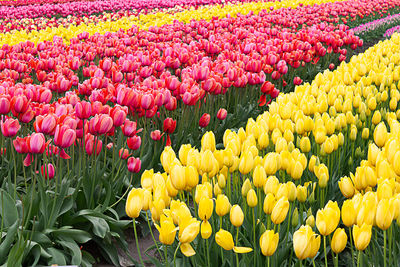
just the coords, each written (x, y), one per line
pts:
(243, 132)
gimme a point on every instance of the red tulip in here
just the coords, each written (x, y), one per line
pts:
(64, 136)
(48, 171)
(83, 110)
(45, 124)
(10, 127)
(20, 145)
(129, 128)
(36, 143)
(204, 120)
(91, 141)
(297, 80)
(134, 142)
(100, 124)
(221, 114)
(134, 164)
(124, 153)
(169, 125)
(155, 135)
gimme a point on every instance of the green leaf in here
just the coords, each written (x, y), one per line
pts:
(57, 257)
(72, 246)
(110, 252)
(6, 243)
(100, 226)
(79, 236)
(8, 210)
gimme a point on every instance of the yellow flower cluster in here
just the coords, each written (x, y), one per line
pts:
(145, 21)
(302, 138)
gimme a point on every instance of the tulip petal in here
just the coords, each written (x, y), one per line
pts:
(64, 154)
(242, 249)
(187, 250)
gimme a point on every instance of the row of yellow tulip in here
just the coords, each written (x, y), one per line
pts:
(145, 21)
(283, 168)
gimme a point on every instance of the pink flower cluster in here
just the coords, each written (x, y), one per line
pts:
(391, 31)
(96, 6)
(372, 25)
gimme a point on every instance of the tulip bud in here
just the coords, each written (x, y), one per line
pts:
(221, 181)
(246, 187)
(206, 207)
(280, 210)
(236, 216)
(311, 221)
(222, 205)
(301, 193)
(346, 187)
(362, 236)
(380, 134)
(205, 230)
(259, 176)
(252, 198)
(178, 177)
(269, 242)
(339, 240)
(295, 218)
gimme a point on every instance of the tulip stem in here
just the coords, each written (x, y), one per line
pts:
(351, 248)
(176, 250)
(336, 260)
(384, 248)
(268, 261)
(208, 253)
(326, 258)
(166, 256)
(390, 244)
(137, 243)
(359, 260)
(220, 227)
(237, 238)
(301, 264)
(152, 235)
(254, 236)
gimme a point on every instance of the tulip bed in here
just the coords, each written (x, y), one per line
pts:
(312, 181)
(85, 109)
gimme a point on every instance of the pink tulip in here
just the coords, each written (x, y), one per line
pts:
(10, 127)
(64, 136)
(134, 164)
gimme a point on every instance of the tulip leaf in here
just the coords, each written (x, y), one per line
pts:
(100, 226)
(57, 257)
(8, 209)
(6, 243)
(69, 244)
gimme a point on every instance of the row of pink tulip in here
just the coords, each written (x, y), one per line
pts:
(93, 7)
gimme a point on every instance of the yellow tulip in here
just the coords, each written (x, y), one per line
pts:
(205, 229)
(222, 205)
(134, 203)
(362, 236)
(305, 242)
(208, 141)
(380, 134)
(339, 240)
(206, 207)
(346, 187)
(272, 185)
(177, 176)
(259, 176)
(167, 230)
(187, 250)
(269, 203)
(301, 193)
(146, 180)
(236, 216)
(384, 214)
(246, 187)
(269, 242)
(190, 232)
(225, 240)
(252, 198)
(349, 215)
(328, 218)
(280, 210)
(311, 221)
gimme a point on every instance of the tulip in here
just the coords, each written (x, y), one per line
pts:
(328, 218)
(384, 214)
(48, 171)
(225, 240)
(9, 127)
(362, 236)
(36, 143)
(206, 207)
(252, 198)
(280, 210)
(349, 215)
(380, 134)
(155, 135)
(64, 136)
(167, 230)
(134, 203)
(208, 141)
(204, 120)
(134, 164)
(205, 229)
(269, 242)
(134, 142)
(236, 216)
(189, 233)
(305, 242)
(221, 114)
(222, 205)
(169, 125)
(339, 240)
(346, 187)
(259, 176)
